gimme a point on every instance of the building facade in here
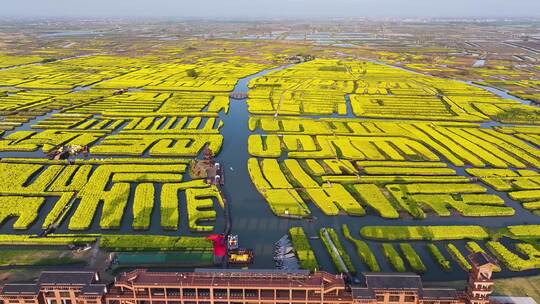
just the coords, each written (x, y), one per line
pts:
(233, 286)
(57, 287)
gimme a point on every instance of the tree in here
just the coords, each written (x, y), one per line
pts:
(192, 73)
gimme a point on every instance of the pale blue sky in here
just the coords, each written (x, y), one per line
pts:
(271, 8)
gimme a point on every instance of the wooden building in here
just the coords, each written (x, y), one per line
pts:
(235, 286)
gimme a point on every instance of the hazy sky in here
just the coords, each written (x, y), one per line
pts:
(271, 8)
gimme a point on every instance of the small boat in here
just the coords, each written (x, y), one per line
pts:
(241, 256)
(283, 251)
(285, 256)
(284, 238)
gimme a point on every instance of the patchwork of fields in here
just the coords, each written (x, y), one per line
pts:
(441, 168)
(143, 122)
(359, 139)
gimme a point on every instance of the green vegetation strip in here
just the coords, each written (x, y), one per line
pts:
(115, 242)
(52, 240)
(427, 233)
(303, 249)
(439, 257)
(154, 243)
(392, 255)
(412, 257)
(458, 257)
(524, 231)
(342, 253)
(363, 251)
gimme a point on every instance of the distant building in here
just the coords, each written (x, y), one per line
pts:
(235, 286)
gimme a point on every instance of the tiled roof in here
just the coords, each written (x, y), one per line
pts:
(481, 259)
(362, 293)
(393, 281)
(251, 272)
(20, 289)
(66, 277)
(94, 289)
(440, 293)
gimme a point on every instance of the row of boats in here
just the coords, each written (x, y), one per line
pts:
(284, 254)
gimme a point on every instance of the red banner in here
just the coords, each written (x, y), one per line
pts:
(219, 244)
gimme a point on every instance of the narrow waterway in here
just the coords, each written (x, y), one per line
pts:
(500, 93)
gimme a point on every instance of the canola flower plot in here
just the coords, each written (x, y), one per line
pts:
(521, 185)
(394, 140)
(119, 242)
(321, 87)
(210, 77)
(68, 74)
(157, 144)
(512, 260)
(27, 141)
(412, 258)
(201, 207)
(53, 240)
(431, 233)
(373, 196)
(143, 205)
(289, 179)
(416, 198)
(11, 61)
(458, 256)
(316, 87)
(114, 200)
(519, 254)
(162, 110)
(283, 202)
(524, 231)
(342, 261)
(25, 209)
(21, 106)
(341, 186)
